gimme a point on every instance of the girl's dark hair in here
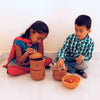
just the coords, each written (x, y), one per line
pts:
(83, 20)
(38, 26)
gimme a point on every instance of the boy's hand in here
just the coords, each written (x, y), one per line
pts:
(60, 64)
(79, 59)
(31, 51)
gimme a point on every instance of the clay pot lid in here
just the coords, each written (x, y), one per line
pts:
(35, 56)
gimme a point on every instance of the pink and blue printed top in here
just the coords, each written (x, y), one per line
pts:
(24, 47)
(23, 43)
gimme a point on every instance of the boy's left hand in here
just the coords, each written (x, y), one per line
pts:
(79, 59)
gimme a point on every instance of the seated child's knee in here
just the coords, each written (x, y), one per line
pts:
(10, 70)
(82, 66)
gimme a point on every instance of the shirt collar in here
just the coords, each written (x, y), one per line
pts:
(84, 40)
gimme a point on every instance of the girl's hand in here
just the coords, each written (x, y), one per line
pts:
(60, 64)
(79, 59)
(31, 51)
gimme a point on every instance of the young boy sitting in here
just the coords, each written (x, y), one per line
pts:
(77, 48)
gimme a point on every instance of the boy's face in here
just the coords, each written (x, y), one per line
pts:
(81, 31)
(36, 37)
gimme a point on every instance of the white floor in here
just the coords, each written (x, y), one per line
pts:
(25, 88)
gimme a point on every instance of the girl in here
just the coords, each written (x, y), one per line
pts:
(28, 43)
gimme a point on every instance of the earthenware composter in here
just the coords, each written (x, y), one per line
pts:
(58, 74)
(37, 68)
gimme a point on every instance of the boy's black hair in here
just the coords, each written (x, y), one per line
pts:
(83, 20)
(38, 26)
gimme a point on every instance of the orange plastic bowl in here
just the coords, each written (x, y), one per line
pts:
(71, 81)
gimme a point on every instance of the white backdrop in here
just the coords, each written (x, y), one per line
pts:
(17, 15)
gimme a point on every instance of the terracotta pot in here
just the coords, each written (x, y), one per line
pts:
(37, 64)
(37, 68)
(57, 75)
(37, 74)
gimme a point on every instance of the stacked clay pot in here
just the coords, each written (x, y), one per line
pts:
(37, 68)
(58, 74)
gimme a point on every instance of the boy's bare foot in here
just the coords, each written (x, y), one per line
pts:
(82, 73)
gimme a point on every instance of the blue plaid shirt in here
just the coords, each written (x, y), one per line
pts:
(74, 47)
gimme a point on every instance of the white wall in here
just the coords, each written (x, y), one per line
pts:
(17, 15)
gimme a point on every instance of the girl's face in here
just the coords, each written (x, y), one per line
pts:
(81, 31)
(35, 37)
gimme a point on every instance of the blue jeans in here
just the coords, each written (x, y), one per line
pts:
(72, 66)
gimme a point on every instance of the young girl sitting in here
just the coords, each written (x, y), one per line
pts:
(28, 43)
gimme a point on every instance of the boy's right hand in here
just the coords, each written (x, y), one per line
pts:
(31, 51)
(60, 64)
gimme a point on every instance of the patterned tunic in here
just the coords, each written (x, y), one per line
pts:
(74, 47)
(23, 47)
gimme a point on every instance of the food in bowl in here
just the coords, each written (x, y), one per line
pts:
(71, 81)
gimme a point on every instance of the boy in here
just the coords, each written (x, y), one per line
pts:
(77, 48)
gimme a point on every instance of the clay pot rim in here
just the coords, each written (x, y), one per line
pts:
(38, 58)
(59, 70)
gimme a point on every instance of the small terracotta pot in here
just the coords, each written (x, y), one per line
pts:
(37, 74)
(37, 64)
(57, 75)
